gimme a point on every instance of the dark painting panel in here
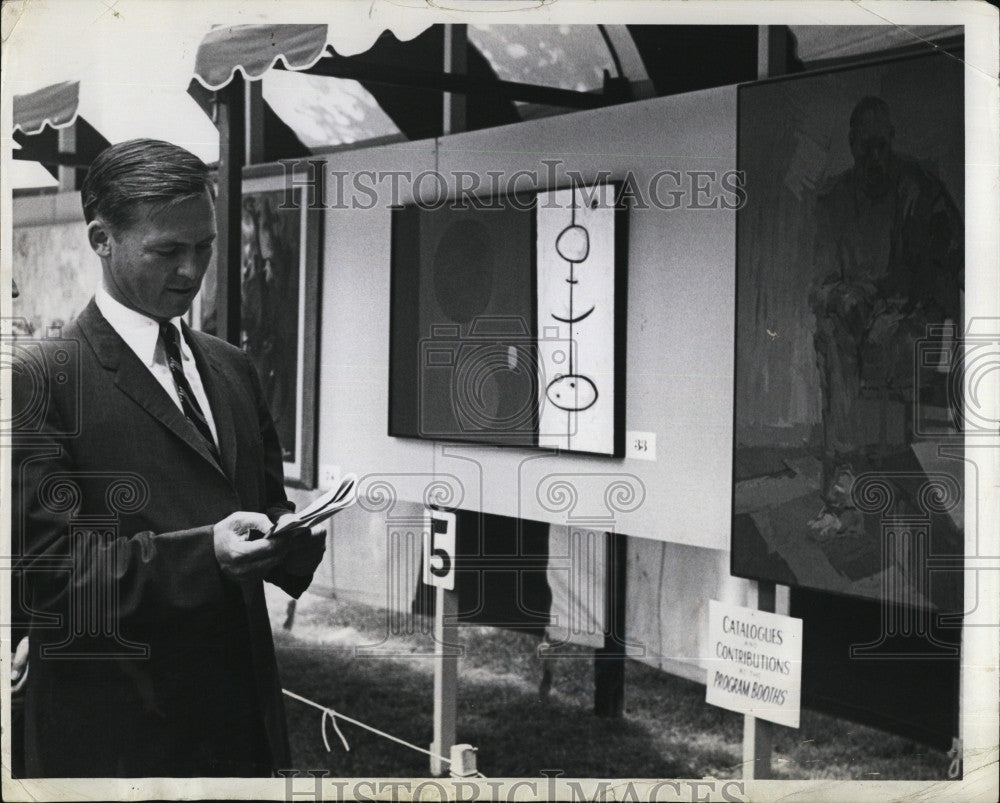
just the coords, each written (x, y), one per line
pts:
(477, 359)
(848, 469)
(464, 364)
(271, 256)
(279, 314)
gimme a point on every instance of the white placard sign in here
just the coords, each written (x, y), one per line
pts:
(439, 549)
(640, 445)
(754, 663)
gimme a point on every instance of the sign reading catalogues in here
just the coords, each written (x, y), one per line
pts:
(754, 663)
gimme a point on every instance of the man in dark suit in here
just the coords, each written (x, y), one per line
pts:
(145, 468)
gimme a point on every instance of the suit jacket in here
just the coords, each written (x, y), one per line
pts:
(145, 659)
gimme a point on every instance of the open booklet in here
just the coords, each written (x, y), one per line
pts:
(343, 494)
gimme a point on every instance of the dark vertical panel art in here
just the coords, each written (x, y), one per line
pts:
(462, 312)
(279, 314)
(508, 322)
(848, 463)
(269, 312)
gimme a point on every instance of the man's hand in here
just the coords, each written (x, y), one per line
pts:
(241, 558)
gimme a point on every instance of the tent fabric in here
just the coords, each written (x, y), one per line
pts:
(818, 43)
(55, 105)
(255, 49)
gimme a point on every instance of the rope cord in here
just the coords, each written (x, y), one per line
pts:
(334, 715)
(336, 727)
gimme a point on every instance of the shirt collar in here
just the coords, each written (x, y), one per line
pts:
(139, 331)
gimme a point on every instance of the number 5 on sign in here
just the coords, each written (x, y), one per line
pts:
(439, 549)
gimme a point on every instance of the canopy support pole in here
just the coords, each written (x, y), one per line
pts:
(446, 602)
(70, 178)
(338, 66)
(609, 660)
(455, 63)
(758, 734)
(230, 104)
(254, 129)
(772, 50)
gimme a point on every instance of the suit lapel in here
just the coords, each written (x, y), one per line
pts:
(216, 382)
(135, 380)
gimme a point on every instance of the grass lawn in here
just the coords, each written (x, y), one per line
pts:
(668, 730)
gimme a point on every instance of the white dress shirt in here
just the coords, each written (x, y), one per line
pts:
(142, 335)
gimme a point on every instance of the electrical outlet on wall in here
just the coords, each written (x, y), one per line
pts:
(329, 475)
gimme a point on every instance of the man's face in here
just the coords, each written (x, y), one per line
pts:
(871, 146)
(155, 266)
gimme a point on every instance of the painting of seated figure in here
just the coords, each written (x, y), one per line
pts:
(849, 321)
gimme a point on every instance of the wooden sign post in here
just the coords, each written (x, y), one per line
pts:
(758, 734)
(439, 571)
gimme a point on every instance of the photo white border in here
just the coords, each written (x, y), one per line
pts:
(26, 37)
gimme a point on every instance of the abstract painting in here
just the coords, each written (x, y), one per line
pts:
(517, 337)
(576, 315)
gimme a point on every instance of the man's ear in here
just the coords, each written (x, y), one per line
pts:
(99, 236)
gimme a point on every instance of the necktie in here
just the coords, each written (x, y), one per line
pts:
(170, 338)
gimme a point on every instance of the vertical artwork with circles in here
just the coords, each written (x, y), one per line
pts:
(576, 318)
(508, 321)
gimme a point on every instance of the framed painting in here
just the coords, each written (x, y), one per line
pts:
(279, 313)
(848, 469)
(508, 321)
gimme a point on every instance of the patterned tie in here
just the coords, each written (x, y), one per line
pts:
(169, 336)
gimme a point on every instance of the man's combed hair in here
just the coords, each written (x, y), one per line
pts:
(140, 171)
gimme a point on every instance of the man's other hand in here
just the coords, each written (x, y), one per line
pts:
(242, 554)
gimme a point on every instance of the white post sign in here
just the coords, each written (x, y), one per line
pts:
(439, 549)
(754, 663)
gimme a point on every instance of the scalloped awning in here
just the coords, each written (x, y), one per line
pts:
(54, 106)
(255, 49)
(39, 119)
